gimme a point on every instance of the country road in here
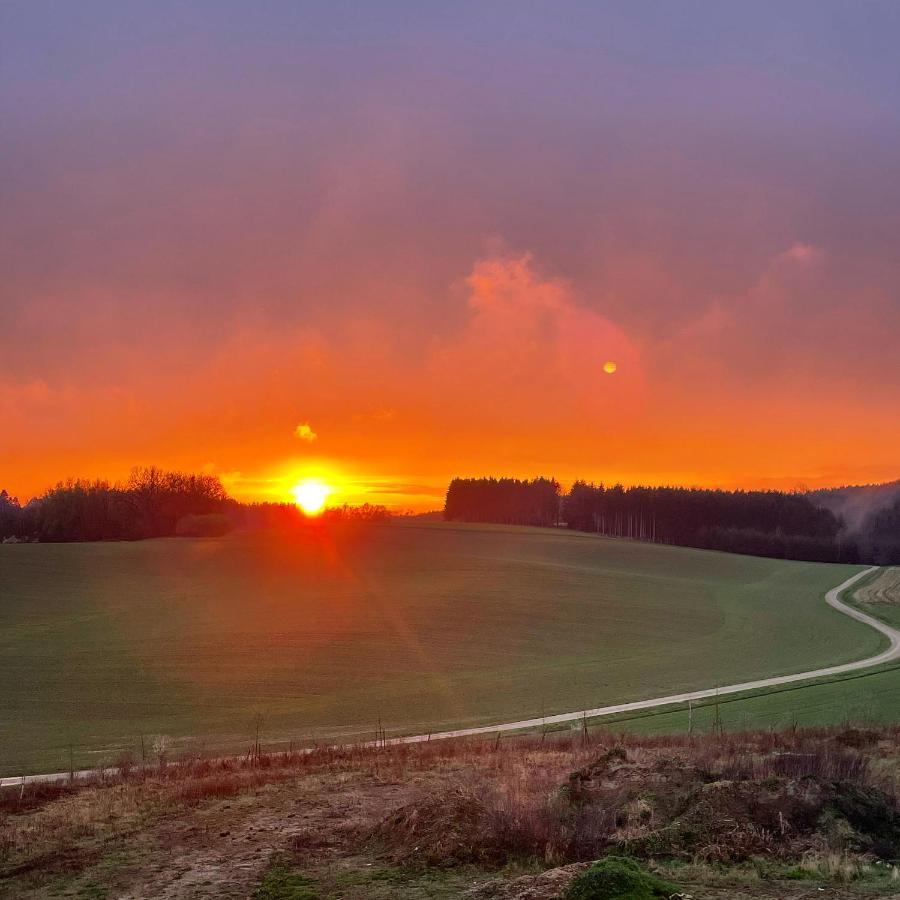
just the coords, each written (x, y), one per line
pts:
(832, 598)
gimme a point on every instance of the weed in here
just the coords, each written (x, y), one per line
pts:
(618, 878)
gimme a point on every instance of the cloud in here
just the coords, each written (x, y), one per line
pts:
(802, 254)
(305, 433)
(782, 324)
(512, 381)
(531, 352)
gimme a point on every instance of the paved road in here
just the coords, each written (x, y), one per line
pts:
(832, 598)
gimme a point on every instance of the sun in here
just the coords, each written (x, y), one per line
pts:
(310, 495)
(609, 367)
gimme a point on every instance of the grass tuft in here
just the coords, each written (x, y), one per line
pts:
(618, 878)
(280, 883)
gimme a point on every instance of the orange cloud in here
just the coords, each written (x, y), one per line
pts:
(529, 349)
(305, 433)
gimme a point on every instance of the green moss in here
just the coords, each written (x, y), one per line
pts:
(618, 878)
(280, 883)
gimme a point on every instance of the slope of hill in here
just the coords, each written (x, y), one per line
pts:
(418, 627)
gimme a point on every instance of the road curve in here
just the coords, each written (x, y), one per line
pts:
(832, 598)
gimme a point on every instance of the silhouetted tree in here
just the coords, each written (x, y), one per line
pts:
(366, 512)
(765, 523)
(506, 500)
(162, 498)
(150, 504)
(880, 535)
(11, 519)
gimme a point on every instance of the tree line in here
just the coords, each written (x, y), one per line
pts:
(879, 537)
(507, 501)
(760, 523)
(871, 512)
(151, 503)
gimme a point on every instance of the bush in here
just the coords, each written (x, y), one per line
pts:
(618, 878)
(208, 525)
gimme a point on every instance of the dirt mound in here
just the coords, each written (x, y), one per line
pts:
(779, 804)
(549, 885)
(439, 830)
(688, 804)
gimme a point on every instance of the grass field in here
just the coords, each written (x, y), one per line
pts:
(869, 697)
(424, 627)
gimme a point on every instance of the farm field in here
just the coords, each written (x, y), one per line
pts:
(423, 627)
(880, 596)
(868, 697)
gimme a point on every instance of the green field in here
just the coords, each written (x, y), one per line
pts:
(424, 627)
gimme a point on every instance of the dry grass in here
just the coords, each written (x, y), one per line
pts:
(719, 799)
(838, 866)
(815, 797)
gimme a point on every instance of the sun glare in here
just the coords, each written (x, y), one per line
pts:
(310, 495)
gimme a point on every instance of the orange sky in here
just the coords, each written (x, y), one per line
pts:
(518, 388)
(422, 236)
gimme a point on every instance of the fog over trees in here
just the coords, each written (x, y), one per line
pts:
(760, 523)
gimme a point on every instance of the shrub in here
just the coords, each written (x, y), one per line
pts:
(618, 878)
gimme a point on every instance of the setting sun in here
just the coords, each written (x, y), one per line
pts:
(310, 495)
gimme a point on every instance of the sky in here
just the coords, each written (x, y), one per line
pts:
(386, 243)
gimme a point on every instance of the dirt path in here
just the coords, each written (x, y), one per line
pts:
(832, 598)
(222, 850)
